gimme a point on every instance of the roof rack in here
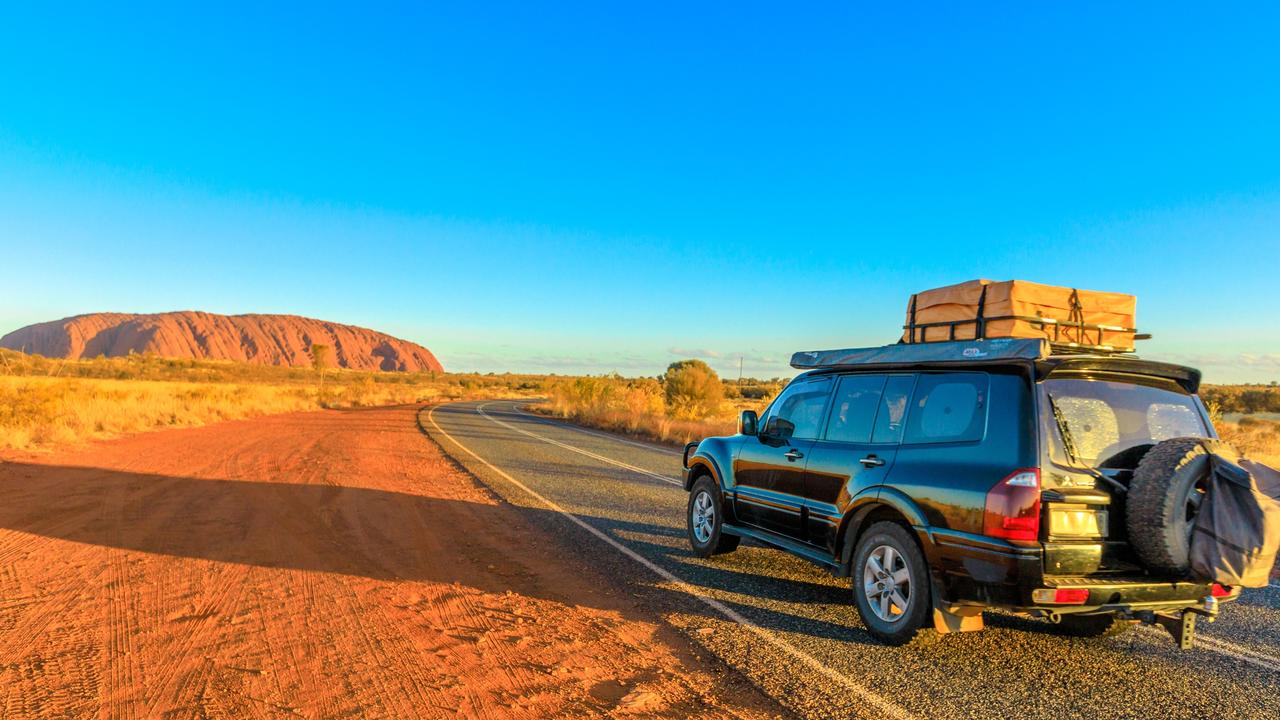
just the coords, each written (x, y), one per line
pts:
(1049, 325)
(1044, 356)
(1078, 349)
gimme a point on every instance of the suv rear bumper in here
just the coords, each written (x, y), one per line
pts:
(1125, 594)
(982, 571)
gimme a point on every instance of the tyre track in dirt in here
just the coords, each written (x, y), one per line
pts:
(314, 565)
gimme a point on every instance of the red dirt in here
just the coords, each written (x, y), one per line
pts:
(258, 339)
(318, 565)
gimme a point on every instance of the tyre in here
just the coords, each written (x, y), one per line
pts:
(705, 520)
(1104, 625)
(1163, 499)
(891, 584)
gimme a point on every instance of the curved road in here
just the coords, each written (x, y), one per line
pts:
(790, 627)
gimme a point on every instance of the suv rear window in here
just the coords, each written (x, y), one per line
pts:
(1102, 420)
(950, 407)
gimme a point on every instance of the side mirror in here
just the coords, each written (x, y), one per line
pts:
(747, 422)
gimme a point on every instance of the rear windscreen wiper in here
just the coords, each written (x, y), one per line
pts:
(1069, 445)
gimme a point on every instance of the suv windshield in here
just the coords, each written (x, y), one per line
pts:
(1111, 424)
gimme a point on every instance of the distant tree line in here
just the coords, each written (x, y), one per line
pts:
(1246, 399)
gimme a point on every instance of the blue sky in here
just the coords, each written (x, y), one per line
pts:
(602, 187)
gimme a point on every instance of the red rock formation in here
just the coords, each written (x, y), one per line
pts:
(260, 339)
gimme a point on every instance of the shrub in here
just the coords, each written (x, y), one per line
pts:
(693, 390)
(639, 406)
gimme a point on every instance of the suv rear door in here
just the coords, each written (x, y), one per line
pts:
(950, 456)
(857, 450)
(769, 468)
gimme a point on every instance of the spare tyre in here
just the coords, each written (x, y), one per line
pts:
(1164, 497)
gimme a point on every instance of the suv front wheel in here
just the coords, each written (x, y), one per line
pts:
(705, 519)
(891, 583)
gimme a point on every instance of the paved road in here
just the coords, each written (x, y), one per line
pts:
(791, 628)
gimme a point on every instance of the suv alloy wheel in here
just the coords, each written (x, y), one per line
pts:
(705, 519)
(891, 583)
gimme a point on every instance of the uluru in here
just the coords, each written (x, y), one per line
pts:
(255, 338)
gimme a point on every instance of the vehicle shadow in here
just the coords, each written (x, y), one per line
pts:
(730, 572)
(360, 532)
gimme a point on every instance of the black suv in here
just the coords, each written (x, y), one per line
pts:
(954, 477)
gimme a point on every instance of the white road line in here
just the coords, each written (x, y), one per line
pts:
(1247, 654)
(580, 451)
(1230, 649)
(882, 705)
(1223, 647)
(570, 426)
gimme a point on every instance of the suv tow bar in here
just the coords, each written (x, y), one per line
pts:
(1182, 625)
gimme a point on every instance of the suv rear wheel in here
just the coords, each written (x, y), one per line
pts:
(891, 583)
(705, 519)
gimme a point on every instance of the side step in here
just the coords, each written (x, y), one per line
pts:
(808, 552)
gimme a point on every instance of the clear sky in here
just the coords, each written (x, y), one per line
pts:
(609, 186)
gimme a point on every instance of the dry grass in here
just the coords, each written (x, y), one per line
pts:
(40, 412)
(658, 428)
(48, 403)
(1243, 399)
(638, 407)
(1257, 439)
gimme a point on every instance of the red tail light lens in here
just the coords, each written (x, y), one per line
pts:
(1219, 590)
(1013, 506)
(1061, 596)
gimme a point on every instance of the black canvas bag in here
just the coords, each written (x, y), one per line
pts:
(1237, 531)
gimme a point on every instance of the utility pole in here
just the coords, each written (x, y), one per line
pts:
(739, 370)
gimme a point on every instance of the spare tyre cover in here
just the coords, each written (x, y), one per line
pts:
(1237, 531)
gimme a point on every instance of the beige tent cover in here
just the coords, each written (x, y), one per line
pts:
(1021, 309)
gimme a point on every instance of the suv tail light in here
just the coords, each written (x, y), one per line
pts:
(1013, 506)
(1060, 596)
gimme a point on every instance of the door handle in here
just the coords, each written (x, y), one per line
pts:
(793, 455)
(871, 461)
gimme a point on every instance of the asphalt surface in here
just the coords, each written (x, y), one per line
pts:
(791, 628)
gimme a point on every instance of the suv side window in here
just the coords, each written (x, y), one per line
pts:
(853, 411)
(798, 411)
(892, 418)
(950, 407)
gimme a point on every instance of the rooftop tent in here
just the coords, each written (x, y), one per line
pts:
(1002, 349)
